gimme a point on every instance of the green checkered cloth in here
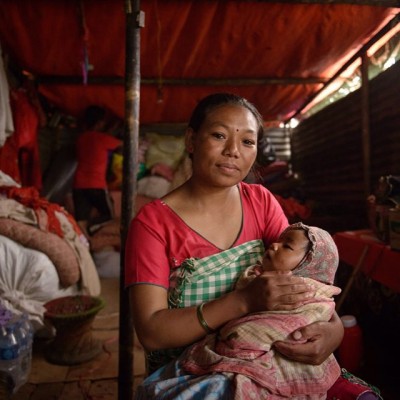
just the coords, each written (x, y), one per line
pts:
(199, 280)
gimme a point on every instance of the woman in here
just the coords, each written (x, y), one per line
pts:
(213, 215)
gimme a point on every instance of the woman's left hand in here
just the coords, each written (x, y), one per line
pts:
(322, 339)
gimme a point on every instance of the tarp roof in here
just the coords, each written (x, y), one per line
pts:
(274, 53)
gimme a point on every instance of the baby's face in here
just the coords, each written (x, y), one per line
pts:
(286, 254)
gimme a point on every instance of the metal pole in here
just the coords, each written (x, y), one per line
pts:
(134, 21)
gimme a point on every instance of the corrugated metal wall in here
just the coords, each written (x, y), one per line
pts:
(280, 140)
(385, 124)
(327, 152)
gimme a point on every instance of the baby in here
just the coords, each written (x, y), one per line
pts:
(245, 346)
(307, 251)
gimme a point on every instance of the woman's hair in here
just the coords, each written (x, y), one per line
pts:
(211, 102)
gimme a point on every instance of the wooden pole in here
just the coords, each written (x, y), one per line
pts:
(365, 121)
(134, 21)
(349, 283)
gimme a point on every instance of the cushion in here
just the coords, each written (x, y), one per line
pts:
(57, 249)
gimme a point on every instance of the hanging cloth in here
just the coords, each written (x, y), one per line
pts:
(85, 43)
(6, 120)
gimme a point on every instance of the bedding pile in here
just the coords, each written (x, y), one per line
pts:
(45, 254)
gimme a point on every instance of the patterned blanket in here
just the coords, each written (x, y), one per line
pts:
(245, 347)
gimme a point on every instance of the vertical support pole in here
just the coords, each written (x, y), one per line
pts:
(365, 120)
(134, 21)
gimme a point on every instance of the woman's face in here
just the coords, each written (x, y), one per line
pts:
(288, 253)
(225, 146)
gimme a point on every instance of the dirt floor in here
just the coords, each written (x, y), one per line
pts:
(96, 379)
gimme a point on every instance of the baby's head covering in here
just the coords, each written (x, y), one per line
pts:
(322, 259)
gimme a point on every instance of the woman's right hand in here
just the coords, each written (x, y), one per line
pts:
(276, 291)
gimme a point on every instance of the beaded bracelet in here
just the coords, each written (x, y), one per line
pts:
(201, 319)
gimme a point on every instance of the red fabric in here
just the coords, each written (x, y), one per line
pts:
(380, 263)
(9, 159)
(26, 123)
(178, 41)
(19, 157)
(29, 197)
(276, 168)
(344, 389)
(159, 240)
(92, 151)
(292, 208)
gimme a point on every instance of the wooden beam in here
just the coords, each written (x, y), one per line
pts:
(112, 80)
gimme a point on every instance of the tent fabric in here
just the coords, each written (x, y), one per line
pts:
(185, 40)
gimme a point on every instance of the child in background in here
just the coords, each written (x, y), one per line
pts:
(90, 189)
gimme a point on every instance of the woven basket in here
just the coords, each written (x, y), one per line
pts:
(72, 317)
(73, 307)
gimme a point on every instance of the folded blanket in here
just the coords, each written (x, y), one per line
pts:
(58, 250)
(57, 222)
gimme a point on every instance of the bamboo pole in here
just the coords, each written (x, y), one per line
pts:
(349, 283)
(134, 20)
(365, 120)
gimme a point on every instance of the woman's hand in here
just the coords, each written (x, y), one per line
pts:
(276, 291)
(322, 338)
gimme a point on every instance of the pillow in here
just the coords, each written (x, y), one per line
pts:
(153, 186)
(166, 149)
(57, 249)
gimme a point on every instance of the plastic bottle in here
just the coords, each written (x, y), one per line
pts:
(24, 332)
(16, 337)
(351, 349)
(9, 353)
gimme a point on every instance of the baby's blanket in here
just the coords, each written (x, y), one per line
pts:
(245, 347)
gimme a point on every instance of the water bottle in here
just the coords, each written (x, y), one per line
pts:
(350, 351)
(9, 353)
(6, 380)
(16, 337)
(24, 333)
